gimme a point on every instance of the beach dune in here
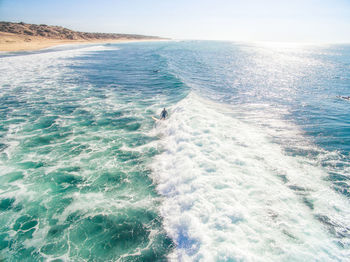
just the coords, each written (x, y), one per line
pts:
(22, 36)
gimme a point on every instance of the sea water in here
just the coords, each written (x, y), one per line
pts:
(252, 164)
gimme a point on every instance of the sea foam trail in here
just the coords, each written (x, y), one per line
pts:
(232, 193)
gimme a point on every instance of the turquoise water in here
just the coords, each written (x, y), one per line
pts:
(252, 165)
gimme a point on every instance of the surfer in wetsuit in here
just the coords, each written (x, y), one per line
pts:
(344, 97)
(163, 114)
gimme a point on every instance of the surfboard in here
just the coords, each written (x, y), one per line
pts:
(155, 119)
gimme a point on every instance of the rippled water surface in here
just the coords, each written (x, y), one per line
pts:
(252, 164)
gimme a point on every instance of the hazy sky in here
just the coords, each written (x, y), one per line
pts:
(240, 20)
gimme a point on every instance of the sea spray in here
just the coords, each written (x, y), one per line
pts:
(231, 193)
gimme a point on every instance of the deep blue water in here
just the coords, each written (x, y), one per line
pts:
(252, 164)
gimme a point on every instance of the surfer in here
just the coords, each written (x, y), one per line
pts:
(163, 114)
(344, 97)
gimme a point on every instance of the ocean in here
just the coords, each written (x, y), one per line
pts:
(253, 163)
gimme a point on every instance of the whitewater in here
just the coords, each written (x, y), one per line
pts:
(251, 165)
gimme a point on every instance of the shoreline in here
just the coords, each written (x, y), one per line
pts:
(19, 43)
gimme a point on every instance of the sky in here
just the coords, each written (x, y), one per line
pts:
(315, 21)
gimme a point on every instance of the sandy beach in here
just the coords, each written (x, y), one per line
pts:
(12, 42)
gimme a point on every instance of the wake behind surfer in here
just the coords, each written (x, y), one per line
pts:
(163, 114)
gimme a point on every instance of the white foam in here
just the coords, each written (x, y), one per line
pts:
(225, 200)
(42, 67)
